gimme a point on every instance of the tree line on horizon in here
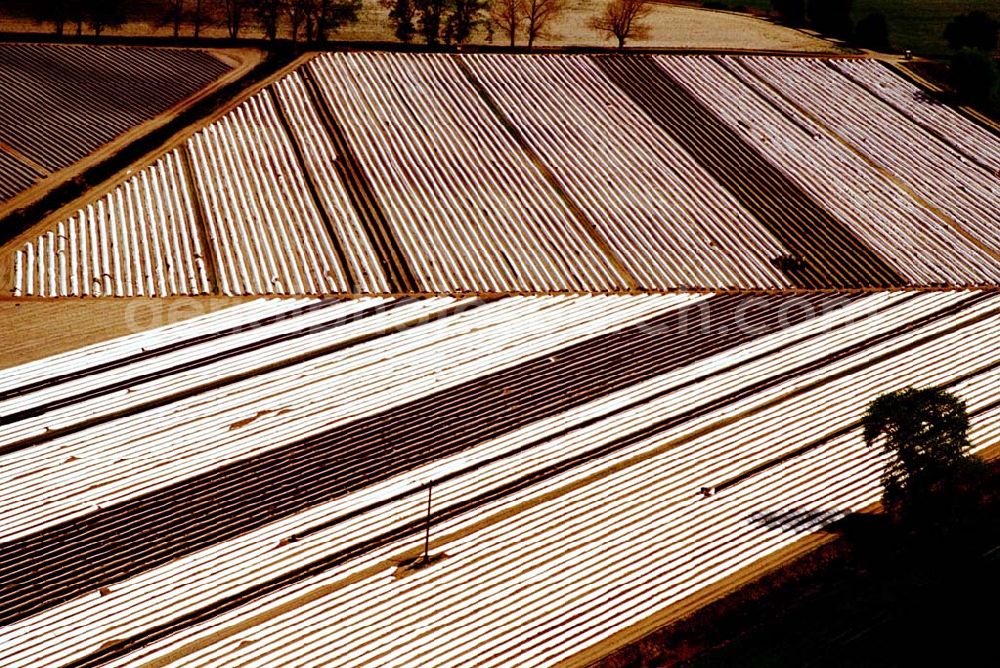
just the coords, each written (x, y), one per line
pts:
(434, 22)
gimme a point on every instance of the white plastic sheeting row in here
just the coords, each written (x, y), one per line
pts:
(545, 571)
(467, 209)
(320, 157)
(967, 136)
(139, 240)
(536, 578)
(672, 224)
(964, 192)
(468, 206)
(913, 240)
(135, 454)
(266, 232)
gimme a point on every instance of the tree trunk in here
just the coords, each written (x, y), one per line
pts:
(512, 39)
(177, 26)
(197, 19)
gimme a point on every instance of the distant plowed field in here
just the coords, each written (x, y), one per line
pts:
(380, 173)
(59, 103)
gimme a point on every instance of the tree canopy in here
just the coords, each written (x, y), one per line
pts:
(872, 32)
(975, 30)
(930, 473)
(622, 20)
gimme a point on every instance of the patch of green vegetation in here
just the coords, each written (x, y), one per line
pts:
(919, 24)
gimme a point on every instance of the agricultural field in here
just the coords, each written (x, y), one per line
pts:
(60, 103)
(469, 359)
(249, 487)
(387, 174)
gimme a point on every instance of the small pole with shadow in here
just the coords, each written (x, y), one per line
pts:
(427, 525)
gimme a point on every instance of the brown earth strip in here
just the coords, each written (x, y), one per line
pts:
(22, 158)
(359, 191)
(37, 328)
(831, 255)
(179, 344)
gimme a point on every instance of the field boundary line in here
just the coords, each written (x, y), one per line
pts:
(22, 158)
(594, 656)
(484, 294)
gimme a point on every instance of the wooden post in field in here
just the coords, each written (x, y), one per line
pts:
(427, 525)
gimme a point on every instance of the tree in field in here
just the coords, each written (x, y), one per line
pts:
(872, 32)
(402, 17)
(975, 30)
(463, 18)
(299, 12)
(333, 14)
(201, 14)
(831, 17)
(508, 15)
(103, 14)
(792, 12)
(233, 15)
(173, 14)
(267, 14)
(429, 18)
(931, 474)
(622, 20)
(538, 17)
(57, 12)
(975, 77)
(78, 15)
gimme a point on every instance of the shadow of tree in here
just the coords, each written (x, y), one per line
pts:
(796, 518)
(833, 520)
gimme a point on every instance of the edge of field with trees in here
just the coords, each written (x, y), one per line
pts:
(906, 583)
